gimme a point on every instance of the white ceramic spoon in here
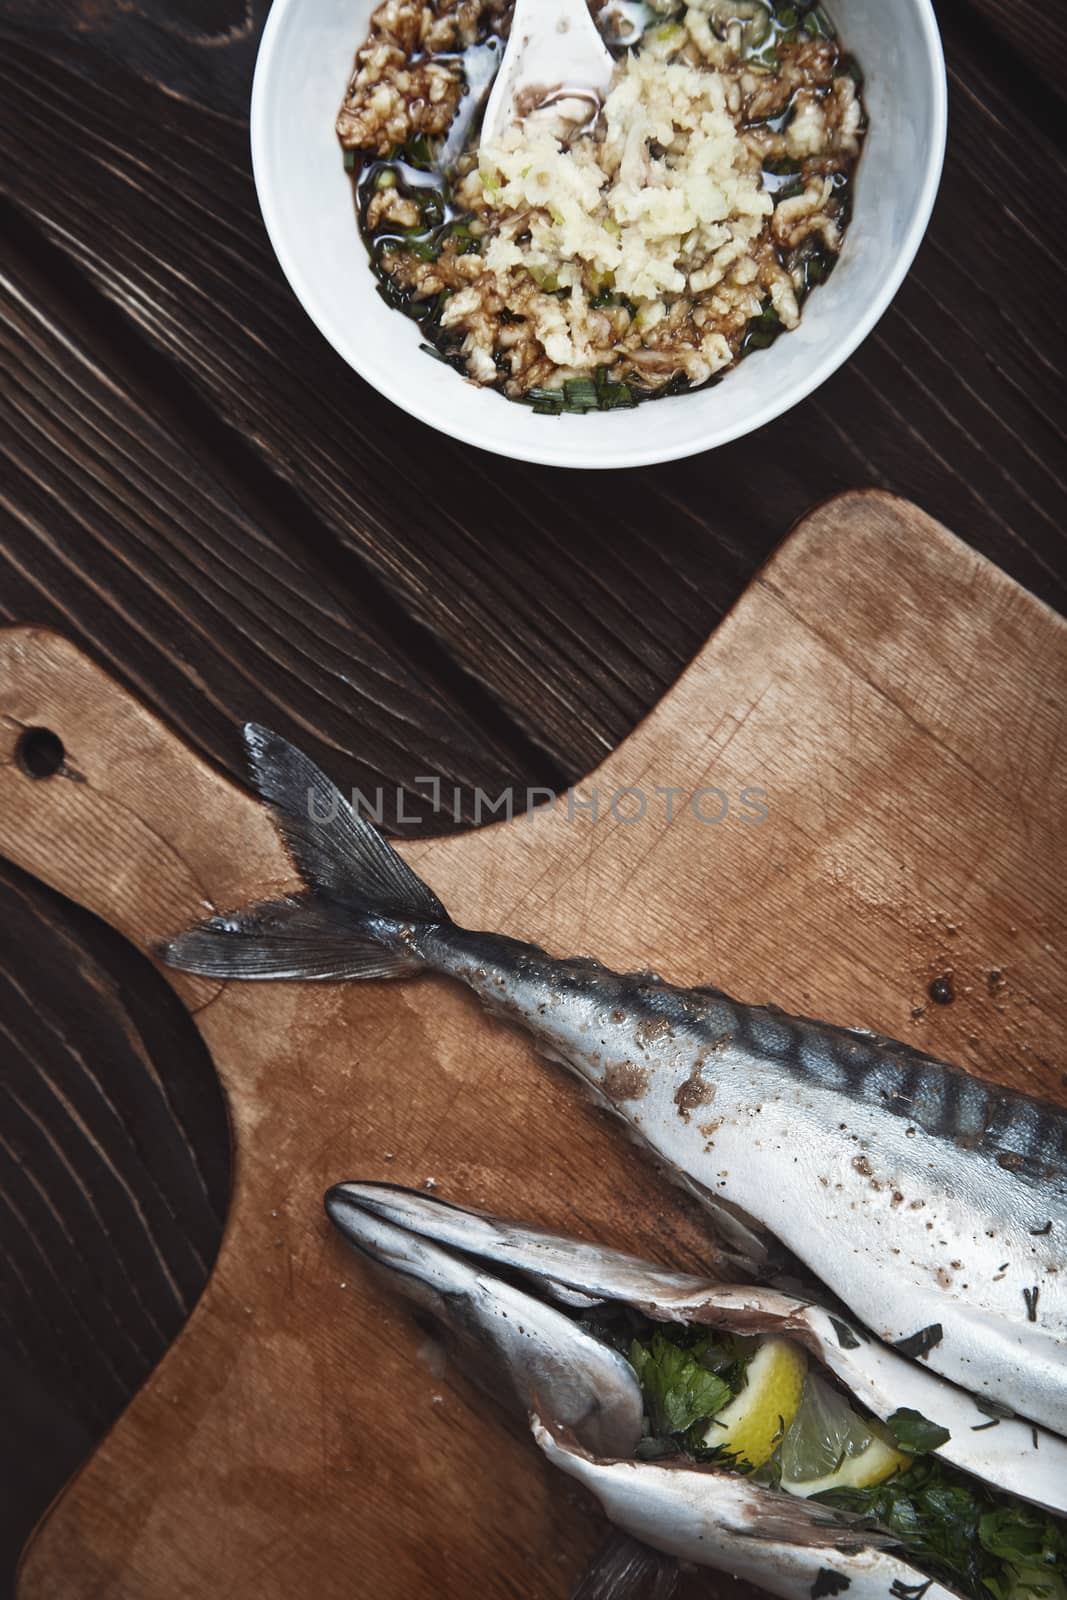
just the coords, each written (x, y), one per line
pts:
(555, 61)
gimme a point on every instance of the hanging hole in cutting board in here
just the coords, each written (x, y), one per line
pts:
(40, 753)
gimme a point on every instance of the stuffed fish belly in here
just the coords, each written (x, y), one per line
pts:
(732, 1426)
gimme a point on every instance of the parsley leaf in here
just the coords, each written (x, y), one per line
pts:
(678, 1389)
(965, 1533)
(921, 1343)
(828, 1583)
(916, 1433)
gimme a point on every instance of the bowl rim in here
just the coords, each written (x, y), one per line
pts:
(408, 396)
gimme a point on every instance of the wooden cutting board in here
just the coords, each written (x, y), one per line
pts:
(900, 703)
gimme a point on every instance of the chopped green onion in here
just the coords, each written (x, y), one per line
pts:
(418, 152)
(617, 397)
(546, 402)
(762, 331)
(613, 396)
(817, 24)
(580, 394)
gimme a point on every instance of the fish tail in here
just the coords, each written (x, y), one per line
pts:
(362, 908)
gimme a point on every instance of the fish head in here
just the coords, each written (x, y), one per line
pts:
(518, 1345)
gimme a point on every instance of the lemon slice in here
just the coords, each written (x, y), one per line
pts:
(829, 1446)
(751, 1425)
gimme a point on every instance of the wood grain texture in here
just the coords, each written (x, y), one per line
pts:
(124, 531)
(154, 357)
(551, 588)
(114, 1178)
(1027, 37)
(147, 1204)
(907, 836)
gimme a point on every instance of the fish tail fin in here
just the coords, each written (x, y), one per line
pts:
(362, 902)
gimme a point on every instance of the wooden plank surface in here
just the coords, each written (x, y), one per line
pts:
(522, 620)
(907, 838)
(550, 587)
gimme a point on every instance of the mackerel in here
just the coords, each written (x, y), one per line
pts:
(931, 1202)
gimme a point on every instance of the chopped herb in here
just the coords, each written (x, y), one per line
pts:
(1030, 1296)
(817, 24)
(817, 265)
(964, 1533)
(1038, 1232)
(580, 394)
(782, 187)
(978, 1541)
(679, 1390)
(829, 1582)
(980, 1427)
(418, 152)
(909, 1591)
(350, 160)
(715, 1455)
(762, 330)
(845, 1336)
(915, 1433)
(617, 397)
(993, 1408)
(921, 1343)
(545, 402)
(612, 396)
(657, 1449)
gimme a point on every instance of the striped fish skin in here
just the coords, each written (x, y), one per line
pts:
(924, 1197)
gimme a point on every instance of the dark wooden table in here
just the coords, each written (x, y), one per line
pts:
(202, 495)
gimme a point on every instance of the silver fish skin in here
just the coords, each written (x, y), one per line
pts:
(450, 1258)
(861, 1156)
(933, 1203)
(727, 1522)
(434, 1254)
(515, 1346)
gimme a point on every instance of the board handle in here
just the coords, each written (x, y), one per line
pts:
(105, 803)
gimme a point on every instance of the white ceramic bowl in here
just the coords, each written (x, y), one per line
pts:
(304, 62)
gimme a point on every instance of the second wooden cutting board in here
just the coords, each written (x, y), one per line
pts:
(899, 703)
